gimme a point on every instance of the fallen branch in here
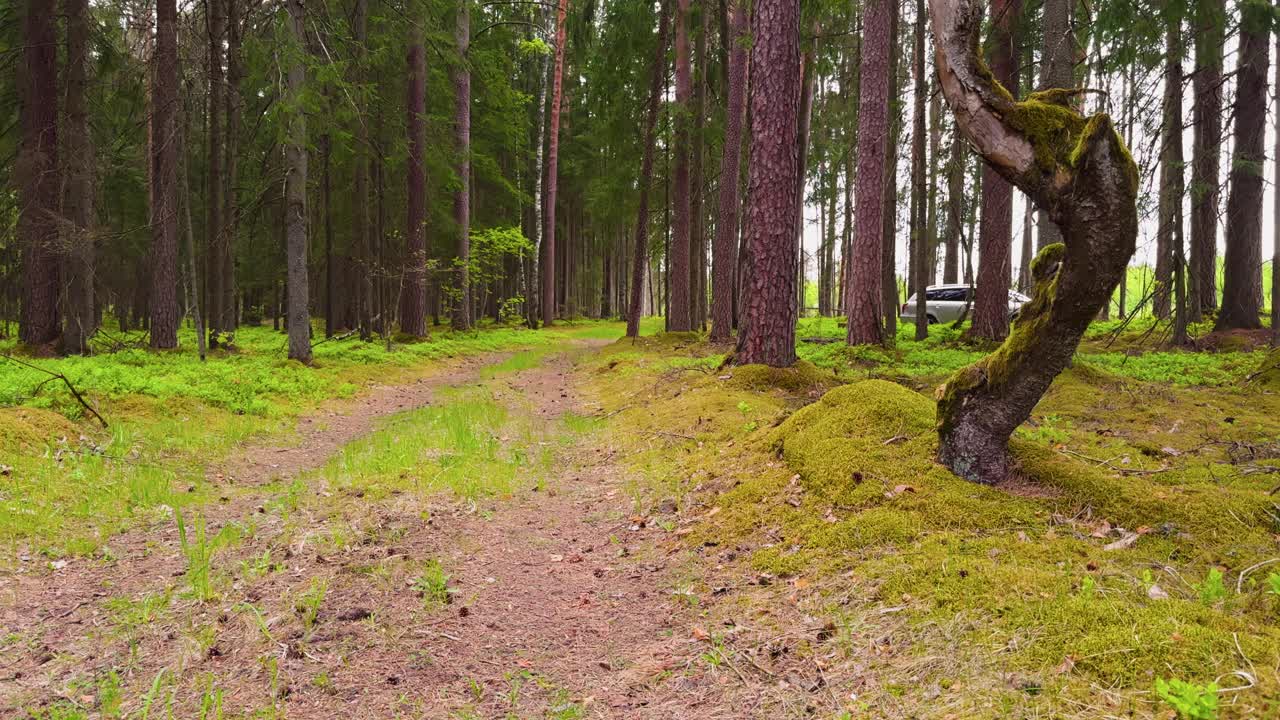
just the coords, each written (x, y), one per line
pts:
(1107, 464)
(58, 376)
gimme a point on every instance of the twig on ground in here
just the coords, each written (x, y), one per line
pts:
(58, 376)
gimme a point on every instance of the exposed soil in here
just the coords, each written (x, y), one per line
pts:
(562, 602)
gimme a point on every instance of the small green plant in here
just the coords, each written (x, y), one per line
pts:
(199, 551)
(309, 602)
(1212, 590)
(1088, 586)
(1190, 701)
(1273, 583)
(432, 585)
(743, 407)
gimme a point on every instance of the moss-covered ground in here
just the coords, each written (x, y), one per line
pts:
(1137, 545)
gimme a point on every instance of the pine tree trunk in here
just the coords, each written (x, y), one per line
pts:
(1242, 277)
(1177, 185)
(725, 258)
(1206, 82)
(767, 335)
(77, 207)
(919, 241)
(697, 214)
(995, 238)
(1275, 228)
(1170, 178)
(866, 280)
(807, 80)
(216, 26)
(935, 160)
(462, 140)
(295, 194)
(36, 170)
(362, 244)
(955, 209)
(413, 299)
(553, 164)
(678, 318)
(889, 219)
(1090, 190)
(231, 153)
(640, 264)
(163, 300)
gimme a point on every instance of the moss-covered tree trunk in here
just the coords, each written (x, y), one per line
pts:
(1078, 170)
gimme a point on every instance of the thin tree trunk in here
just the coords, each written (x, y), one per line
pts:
(553, 169)
(1210, 18)
(767, 335)
(1275, 209)
(889, 219)
(697, 215)
(164, 214)
(807, 80)
(295, 193)
(78, 197)
(462, 140)
(678, 317)
(363, 242)
(919, 241)
(413, 300)
(216, 27)
(955, 208)
(231, 153)
(1173, 72)
(640, 264)
(991, 304)
(189, 235)
(725, 259)
(1057, 70)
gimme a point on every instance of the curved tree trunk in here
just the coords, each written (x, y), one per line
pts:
(36, 170)
(553, 165)
(1242, 276)
(413, 299)
(641, 260)
(767, 335)
(725, 257)
(1080, 172)
(78, 198)
(865, 292)
(164, 212)
(295, 197)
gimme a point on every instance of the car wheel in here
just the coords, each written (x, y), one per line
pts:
(932, 320)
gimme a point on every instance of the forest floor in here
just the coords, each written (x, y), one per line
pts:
(580, 528)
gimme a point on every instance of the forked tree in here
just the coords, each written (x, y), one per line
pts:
(1078, 170)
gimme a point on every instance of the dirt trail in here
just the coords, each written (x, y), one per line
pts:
(562, 604)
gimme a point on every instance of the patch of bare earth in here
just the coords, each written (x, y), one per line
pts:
(561, 602)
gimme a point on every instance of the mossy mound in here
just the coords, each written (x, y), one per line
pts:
(1268, 375)
(801, 377)
(27, 429)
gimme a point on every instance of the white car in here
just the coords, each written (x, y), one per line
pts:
(946, 303)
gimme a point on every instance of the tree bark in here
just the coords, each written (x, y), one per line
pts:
(995, 232)
(216, 27)
(1210, 19)
(955, 208)
(889, 218)
(36, 170)
(164, 212)
(919, 242)
(866, 279)
(1171, 183)
(295, 194)
(413, 299)
(462, 140)
(1177, 184)
(1275, 209)
(641, 247)
(553, 165)
(767, 334)
(1057, 70)
(725, 257)
(363, 242)
(697, 181)
(78, 199)
(1079, 171)
(1242, 276)
(678, 318)
(231, 153)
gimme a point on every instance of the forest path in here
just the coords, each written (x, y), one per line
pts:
(561, 603)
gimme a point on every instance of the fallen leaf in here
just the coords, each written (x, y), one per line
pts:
(557, 558)
(1155, 592)
(1068, 663)
(700, 634)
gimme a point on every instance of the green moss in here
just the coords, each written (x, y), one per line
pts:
(1268, 375)
(29, 429)
(801, 377)
(1054, 130)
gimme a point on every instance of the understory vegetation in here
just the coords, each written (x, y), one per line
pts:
(1129, 570)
